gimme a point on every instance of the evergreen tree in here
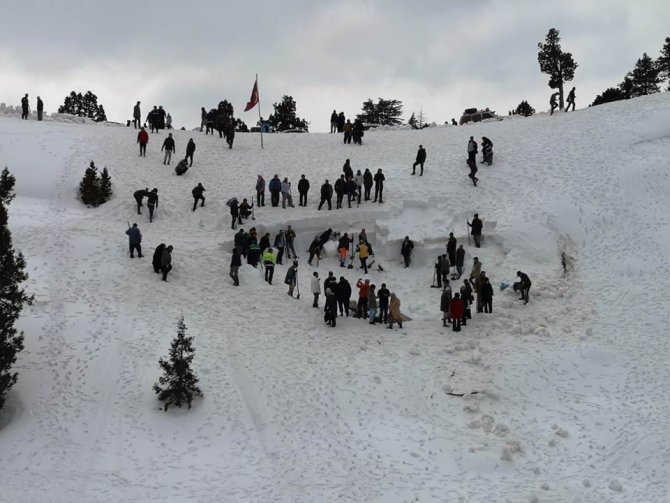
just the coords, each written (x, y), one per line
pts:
(382, 113)
(104, 187)
(627, 87)
(369, 114)
(285, 117)
(178, 384)
(83, 106)
(413, 122)
(554, 62)
(663, 61)
(524, 109)
(421, 119)
(645, 77)
(12, 296)
(609, 95)
(88, 187)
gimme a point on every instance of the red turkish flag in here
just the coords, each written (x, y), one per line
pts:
(253, 101)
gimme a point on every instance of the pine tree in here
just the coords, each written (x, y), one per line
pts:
(421, 119)
(412, 121)
(178, 384)
(627, 87)
(369, 114)
(83, 106)
(645, 77)
(104, 187)
(663, 61)
(285, 117)
(554, 62)
(382, 113)
(524, 109)
(12, 296)
(609, 95)
(88, 187)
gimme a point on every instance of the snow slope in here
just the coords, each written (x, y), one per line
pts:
(573, 388)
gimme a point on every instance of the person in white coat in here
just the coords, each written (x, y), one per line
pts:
(316, 289)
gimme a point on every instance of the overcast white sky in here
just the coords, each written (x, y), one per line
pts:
(439, 55)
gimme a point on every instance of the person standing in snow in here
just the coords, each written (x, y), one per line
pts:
(230, 133)
(420, 159)
(466, 297)
(330, 308)
(395, 316)
(280, 244)
(487, 296)
(571, 100)
(479, 290)
(168, 121)
(292, 277)
(383, 295)
(351, 189)
(347, 170)
(525, 285)
(372, 305)
(445, 300)
(139, 195)
(264, 243)
(363, 289)
(343, 294)
(472, 149)
(473, 172)
(198, 196)
(286, 193)
(203, 118)
(137, 116)
(451, 249)
(152, 203)
(275, 190)
(134, 241)
(363, 254)
(260, 191)
(40, 108)
(367, 183)
(166, 261)
(379, 186)
(333, 122)
(25, 107)
(314, 250)
(152, 119)
(406, 251)
(235, 263)
(158, 255)
(456, 312)
(169, 147)
(315, 288)
(234, 212)
(348, 130)
(487, 151)
(143, 139)
(330, 282)
(343, 248)
(359, 184)
(340, 187)
(340, 122)
(476, 227)
(552, 102)
(460, 260)
(290, 239)
(476, 269)
(269, 260)
(190, 150)
(303, 188)
(326, 195)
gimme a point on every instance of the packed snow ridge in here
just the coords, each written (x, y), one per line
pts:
(562, 399)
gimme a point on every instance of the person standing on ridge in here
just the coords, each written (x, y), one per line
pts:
(420, 159)
(333, 122)
(40, 108)
(570, 100)
(137, 115)
(552, 102)
(25, 107)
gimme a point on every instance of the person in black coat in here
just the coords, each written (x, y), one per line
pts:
(340, 188)
(367, 183)
(241, 242)
(152, 203)
(347, 170)
(451, 248)
(198, 196)
(40, 108)
(324, 238)
(326, 195)
(379, 186)
(383, 295)
(230, 133)
(190, 150)
(156, 261)
(476, 232)
(487, 296)
(343, 294)
(25, 107)
(235, 263)
(303, 188)
(139, 195)
(524, 285)
(330, 308)
(341, 119)
(333, 122)
(406, 250)
(314, 250)
(351, 189)
(420, 159)
(234, 212)
(137, 116)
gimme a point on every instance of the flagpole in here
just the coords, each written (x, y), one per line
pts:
(260, 119)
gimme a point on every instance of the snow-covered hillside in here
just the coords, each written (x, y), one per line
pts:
(573, 399)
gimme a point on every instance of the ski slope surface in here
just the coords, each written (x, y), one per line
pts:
(572, 390)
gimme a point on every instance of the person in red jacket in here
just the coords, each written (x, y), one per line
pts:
(143, 139)
(363, 289)
(456, 308)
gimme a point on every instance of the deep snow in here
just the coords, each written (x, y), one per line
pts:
(573, 401)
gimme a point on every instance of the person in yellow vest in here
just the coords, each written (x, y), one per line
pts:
(363, 254)
(269, 259)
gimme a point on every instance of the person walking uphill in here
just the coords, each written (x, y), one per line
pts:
(169, 147)
(476, 227)
(134, 241)
(570, 100)
(269, 260)
(420, 159)
(190, 150)
(197, 196)
(472, 149)
(152, 203)
(166, 261)
(552, 102)
(379, 186)
(143, 139)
